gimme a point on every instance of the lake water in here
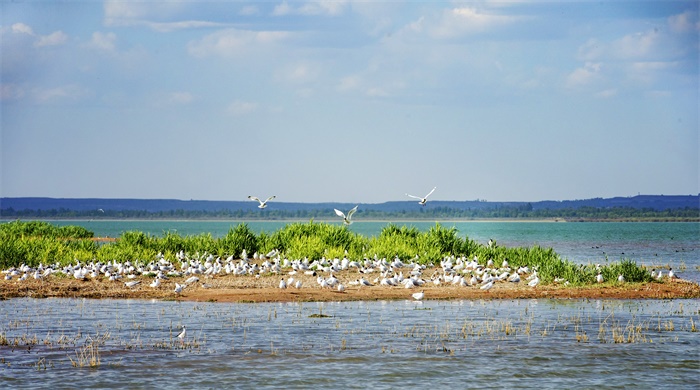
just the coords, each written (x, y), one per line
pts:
(529, 343)
(447, 344)
(655, 244)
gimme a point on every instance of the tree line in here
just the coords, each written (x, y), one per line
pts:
(522, 212)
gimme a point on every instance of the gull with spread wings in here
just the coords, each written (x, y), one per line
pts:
(346, 218)
(263, 203)
(424, 199)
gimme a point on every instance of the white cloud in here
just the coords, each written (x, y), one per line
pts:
(103, 41)
(637, 45)
(463, 21)
(298, 73)
(585, 75)
(349, 83)
(377, 92)
(249, 10)
(647, 71)
(282, 9)
(318, 7)
(21, 28)
(323, 7)
(55, 38)
(685, 22)
(233, 42)
(179, 98)
(11, 92)
(71, 92)
(183, 25)
(118, 11)
(239, 107)
(608, 93)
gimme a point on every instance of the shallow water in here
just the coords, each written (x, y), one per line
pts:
(462, 343)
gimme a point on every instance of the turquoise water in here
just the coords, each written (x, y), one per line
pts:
(656, 244)
(551, 344)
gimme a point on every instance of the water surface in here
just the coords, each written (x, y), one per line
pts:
(455, 344)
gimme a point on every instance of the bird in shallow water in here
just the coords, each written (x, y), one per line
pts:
(182, 334)
(346, 218)
(422, 200)
(418, 296)
(263, 203)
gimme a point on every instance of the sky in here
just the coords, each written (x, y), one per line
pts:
(349, 101)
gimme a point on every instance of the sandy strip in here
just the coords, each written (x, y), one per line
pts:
(264, 289)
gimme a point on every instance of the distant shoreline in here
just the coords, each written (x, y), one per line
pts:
(335, 220)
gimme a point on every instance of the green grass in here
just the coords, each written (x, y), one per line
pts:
(34, 243)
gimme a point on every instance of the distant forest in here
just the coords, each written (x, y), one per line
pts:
(635, 208)
(525, 212)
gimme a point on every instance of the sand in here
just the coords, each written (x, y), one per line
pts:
(265, 289)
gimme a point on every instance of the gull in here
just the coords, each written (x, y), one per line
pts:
(487, 286)
(283, 284)
(182, 334)
(418, 296)
(263, 203)
(599, 278)
(155, 283)
(132, 283)
(671, 275)
(534, 282)
(424, 199)
(620, 278)
(346, 219)
(341, 288)
(179, 287)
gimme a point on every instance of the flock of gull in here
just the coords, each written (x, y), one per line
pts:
(456, 271)
(347, 217)
(325, 273)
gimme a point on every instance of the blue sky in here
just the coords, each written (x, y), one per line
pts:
(349, 101)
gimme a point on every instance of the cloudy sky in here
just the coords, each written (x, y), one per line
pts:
(349, 101)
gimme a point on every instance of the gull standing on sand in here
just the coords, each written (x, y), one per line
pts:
(346, 218)
(418, 296)
(132, 283)
(263, 203)
(424, 199)
(179, 287)
(534, 282)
